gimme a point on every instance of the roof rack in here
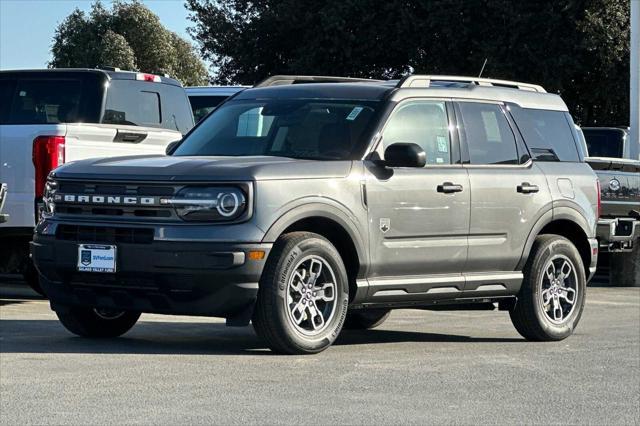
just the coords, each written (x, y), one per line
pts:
(427, 80)
(282, 80)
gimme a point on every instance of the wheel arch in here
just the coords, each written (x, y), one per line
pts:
(335, 225)
(567, 223)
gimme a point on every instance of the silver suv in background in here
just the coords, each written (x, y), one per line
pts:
(308, 207)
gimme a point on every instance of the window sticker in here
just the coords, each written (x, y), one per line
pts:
(354, 113)
(443, 146)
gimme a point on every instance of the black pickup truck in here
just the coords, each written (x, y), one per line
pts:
(619, 223)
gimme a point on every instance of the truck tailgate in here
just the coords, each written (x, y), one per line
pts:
(17, 171)
(619, 183)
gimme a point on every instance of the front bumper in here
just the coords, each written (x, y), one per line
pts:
(167, 277)
(618, 234)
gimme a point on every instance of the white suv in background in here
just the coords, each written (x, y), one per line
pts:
(50, 117)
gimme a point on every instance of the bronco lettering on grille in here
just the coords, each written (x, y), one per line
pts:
(105, 199)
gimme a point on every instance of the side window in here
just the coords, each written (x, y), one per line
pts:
(489, 137)
(548, 134)
(131, 103)
(424, 123)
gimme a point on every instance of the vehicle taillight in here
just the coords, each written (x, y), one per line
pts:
(48, 153)
(148, 77)
(599, 197)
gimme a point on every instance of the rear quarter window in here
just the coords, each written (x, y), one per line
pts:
(548, 134)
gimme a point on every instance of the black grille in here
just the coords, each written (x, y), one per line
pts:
(115, 189)
(94, 234)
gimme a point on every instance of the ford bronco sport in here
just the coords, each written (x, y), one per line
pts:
(304, 208)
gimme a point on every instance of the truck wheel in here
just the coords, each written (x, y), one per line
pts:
(366, 318)
(303, 295)
(553, 292)
(90, 322)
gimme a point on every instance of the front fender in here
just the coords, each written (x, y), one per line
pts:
(327, 209)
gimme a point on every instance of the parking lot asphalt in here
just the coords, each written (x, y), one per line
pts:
(418, 367)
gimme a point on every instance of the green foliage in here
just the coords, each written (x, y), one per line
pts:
(129, 36)
(578, 48)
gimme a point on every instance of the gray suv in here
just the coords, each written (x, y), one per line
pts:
(309, 204)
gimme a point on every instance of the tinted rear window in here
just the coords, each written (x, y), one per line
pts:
(548, 134)
(136, 103)
(132, 103)
(604, 142)
(487, 133)
(203, 105)
(44, 102)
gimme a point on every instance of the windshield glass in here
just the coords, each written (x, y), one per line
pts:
(320, 129)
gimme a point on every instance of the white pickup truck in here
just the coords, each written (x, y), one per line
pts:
(49, 117)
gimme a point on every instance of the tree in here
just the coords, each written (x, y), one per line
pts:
(578, 48)
(129, 36)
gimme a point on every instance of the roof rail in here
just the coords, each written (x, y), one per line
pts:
(426, 80)
(281, 80)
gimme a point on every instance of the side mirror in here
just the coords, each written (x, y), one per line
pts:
(172, 146)
(404, 155)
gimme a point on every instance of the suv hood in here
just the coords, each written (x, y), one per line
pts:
(169, 168)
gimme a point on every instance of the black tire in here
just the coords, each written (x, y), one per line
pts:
(88, 322)
(365, 319)
(529, 316)
(32, 278)
(273, 318)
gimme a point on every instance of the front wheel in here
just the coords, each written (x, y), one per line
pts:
(94, 322)
(552, 297)
(303, 295)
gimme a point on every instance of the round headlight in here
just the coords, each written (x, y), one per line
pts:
(209, 204)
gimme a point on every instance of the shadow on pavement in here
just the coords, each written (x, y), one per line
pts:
(188, 338)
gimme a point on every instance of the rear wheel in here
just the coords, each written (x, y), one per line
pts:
(552, 297)
(94, 322)
(303, 295)
(366, 318)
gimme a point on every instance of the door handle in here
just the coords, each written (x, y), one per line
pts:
(448, 188)
(527, 188)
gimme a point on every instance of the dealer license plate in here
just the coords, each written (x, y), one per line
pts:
(96, 258)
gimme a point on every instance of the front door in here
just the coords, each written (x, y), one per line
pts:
(418, 217)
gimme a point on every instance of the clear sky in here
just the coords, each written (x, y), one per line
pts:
(27, 26)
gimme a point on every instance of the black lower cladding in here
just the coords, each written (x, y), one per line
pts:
(167, 277)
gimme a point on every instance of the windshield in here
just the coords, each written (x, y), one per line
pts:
(319, 129)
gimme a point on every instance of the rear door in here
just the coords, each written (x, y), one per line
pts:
(509, 192)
